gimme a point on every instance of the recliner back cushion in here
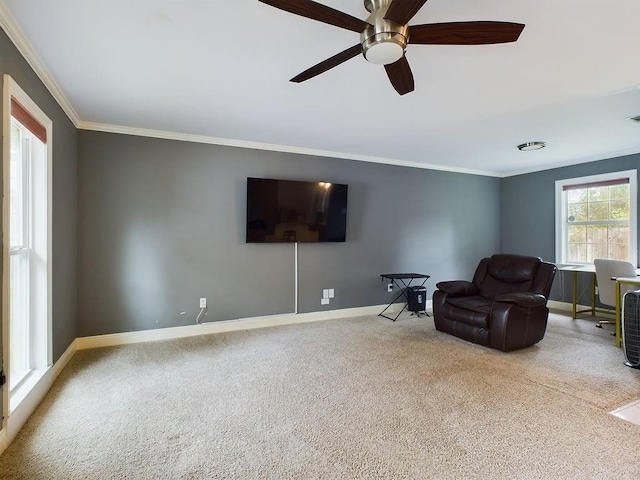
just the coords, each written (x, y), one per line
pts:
(513, 268)
(508, 274)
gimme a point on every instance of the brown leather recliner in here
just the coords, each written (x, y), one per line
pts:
(504, 307)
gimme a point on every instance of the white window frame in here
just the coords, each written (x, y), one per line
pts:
(561, 211)
(24, 398)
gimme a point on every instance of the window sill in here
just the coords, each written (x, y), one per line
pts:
(27, 385)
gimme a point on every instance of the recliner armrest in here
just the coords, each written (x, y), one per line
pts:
(527, 300)
(458, 288)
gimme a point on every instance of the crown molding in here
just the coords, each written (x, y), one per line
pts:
(14, 32)
(185, 137)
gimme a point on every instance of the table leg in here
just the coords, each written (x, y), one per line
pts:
(618, 321)
(403, 293)
(593, 295)
(574, 298)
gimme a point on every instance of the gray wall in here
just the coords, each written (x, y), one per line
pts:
(144, 227)
(64, 195)
(161, 223)
(528, 213)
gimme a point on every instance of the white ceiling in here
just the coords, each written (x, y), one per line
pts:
(218, 71)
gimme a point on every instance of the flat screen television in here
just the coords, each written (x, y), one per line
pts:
(294, 211)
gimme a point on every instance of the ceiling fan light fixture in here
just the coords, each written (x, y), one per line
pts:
(384, 52)
(383, 41)
(530, 146)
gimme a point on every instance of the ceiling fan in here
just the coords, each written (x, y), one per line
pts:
(384, 35)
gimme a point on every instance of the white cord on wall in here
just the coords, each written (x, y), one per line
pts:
(203, 311)
(295, 274)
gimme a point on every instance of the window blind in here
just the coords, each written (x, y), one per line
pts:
(26, 119)
(606, 183)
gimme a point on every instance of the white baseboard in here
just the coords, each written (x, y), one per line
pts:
(564, 306)
(64, 359)
(170, 333)
(19, 416)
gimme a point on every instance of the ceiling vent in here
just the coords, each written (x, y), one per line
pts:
(635, 119)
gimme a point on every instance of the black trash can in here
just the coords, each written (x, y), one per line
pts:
(416, 299)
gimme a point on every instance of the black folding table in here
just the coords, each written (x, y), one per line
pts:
(403, 282)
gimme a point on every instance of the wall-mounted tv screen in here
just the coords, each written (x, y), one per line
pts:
(294, 211)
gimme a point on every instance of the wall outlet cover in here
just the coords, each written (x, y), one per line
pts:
(325, 293)
(390, 287)
(324, 301)
(331, 293)
(203, 303)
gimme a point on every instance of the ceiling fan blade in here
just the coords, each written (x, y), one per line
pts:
(400, 75)
(328, 64)
(319, 12)
(465, 33)
(401, 11)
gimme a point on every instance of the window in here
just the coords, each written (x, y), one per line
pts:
(596, 217)
(27, 227)
(20, 254)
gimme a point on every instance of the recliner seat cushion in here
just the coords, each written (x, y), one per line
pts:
(475, 303)
(473, 311)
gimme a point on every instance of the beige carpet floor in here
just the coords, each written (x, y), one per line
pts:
(361, 398)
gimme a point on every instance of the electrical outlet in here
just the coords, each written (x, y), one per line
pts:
(203, 303)
(390, 287)
(324, 301)
(325, 293)
(332, 293)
